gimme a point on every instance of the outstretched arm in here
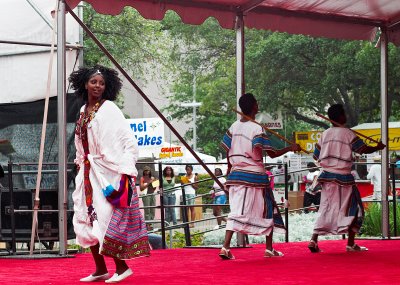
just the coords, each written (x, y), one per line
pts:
(371, 149)
(279, 152)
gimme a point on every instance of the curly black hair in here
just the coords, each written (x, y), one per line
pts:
(81, 76)
(247, 102)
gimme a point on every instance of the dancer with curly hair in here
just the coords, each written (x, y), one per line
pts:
(105, 196)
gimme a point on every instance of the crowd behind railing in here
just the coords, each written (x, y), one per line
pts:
(170, 200)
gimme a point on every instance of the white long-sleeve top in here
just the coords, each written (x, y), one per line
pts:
(374, 175)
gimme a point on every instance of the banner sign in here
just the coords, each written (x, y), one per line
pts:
(307, 140)
(393, 137)
(168, 152)
(149, 132)
(271, 120)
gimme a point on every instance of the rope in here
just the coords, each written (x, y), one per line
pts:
(43, 138)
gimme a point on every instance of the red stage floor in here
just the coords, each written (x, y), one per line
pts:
(379, 265)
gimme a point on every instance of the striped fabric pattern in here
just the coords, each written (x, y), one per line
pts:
(358, 145)
(356, 209)
(272, 211)
(126, 235)
(118, 198)
(227, 141)
(346, 179)
(317, 151)
(262, 141)
(248, 178)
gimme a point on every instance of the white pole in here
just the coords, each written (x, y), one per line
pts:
(61, 118)
(240, 84)
(194, 113)
(80, 15)
(384, 134)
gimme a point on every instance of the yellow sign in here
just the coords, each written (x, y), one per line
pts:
(167, 152)
(394, 137)
(307, 140)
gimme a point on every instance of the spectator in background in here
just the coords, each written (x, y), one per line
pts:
(312, 194)
(271, 178)
(279, 173)
(169, 197)
(354, 172)
(1, 175)
(374, 175)
(147, 190)
(190, 190)
(219, 197)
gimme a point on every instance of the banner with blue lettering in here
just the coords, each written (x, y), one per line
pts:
(149, 132)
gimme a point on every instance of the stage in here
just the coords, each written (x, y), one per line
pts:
(379, 265)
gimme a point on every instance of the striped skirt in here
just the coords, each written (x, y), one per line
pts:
(340, 210)
(253, 211)
(126, 235)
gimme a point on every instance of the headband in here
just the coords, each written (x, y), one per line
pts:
(97, 72)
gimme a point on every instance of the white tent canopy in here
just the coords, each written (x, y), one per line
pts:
(24, 67)
(178, 162)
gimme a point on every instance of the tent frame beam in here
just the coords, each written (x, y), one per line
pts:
(252, 4)
(38, 44)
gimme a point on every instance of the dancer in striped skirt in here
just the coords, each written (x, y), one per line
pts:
(106, 208)
(341, 210)
(252, 204)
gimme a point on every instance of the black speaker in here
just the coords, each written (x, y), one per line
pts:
(47, 221)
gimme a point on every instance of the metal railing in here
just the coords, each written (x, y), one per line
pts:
(185, 224)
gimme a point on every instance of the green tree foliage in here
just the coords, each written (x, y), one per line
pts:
(298, 74)
(136, 43)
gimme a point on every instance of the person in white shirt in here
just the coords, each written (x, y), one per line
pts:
(312, 194)
(374, 175)
(219, 197)
(190, 190)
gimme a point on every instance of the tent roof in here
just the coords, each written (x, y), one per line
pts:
(350, 19)
(370, 126)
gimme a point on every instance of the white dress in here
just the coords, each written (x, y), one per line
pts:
(113, 152)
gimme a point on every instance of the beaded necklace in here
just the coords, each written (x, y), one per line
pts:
(85, 118)
(81, 132)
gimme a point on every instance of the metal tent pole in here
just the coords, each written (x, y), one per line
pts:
(384, 134)
(240, 85)
(62, 120)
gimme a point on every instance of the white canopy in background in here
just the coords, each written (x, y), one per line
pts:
(24, 68)
(345, 19)
(179, 155)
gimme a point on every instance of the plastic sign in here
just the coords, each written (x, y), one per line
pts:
(149, 132)
(307, 140)
(167, 152)
(271, 120)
